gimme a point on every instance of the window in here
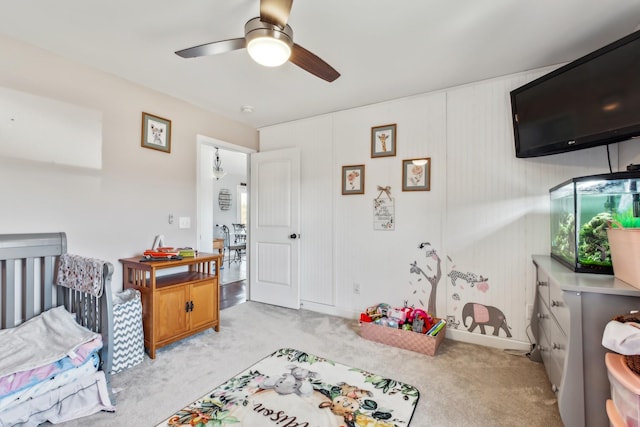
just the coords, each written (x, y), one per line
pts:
(242, 204)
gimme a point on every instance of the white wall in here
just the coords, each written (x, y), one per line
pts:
(113, 211)
(486, 212)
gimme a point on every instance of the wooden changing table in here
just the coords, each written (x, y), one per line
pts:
(180, 303)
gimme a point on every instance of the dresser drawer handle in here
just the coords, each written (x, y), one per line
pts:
(542, 316)
(555, 303)
(556, 346)
(542, 283)
(555, 388)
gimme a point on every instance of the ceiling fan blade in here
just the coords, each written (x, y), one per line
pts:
(213, 48)
(275, 12)
(312, 63)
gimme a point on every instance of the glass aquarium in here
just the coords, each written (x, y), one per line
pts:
(580, 211)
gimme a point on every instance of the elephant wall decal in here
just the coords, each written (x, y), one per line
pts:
(483, 315)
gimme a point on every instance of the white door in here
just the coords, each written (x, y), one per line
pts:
(274, 247)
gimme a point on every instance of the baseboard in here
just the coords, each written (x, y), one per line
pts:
(329, 309)
(488, 340)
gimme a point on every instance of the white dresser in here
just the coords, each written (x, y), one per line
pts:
(570, 313)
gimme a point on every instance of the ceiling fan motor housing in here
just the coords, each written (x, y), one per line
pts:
(258, 32)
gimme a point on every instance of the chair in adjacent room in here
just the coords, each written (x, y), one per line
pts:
(239, 233)
(235, 248)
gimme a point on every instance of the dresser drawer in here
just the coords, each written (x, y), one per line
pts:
(543, 317)
(554, 370)
(558, 307)
(542, 285)
(558, 342)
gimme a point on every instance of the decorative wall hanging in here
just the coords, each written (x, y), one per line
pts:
(353, 179)
(416, 174)
(383, 141)
(224, 199)
(383, 210)
(156, 133)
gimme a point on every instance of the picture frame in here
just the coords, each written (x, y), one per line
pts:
(352, 179)
(416, 174)
(384, 140)
(156, 133)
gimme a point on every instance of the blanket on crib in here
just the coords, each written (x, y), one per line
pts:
(41, 340)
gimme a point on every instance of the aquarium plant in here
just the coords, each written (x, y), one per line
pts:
(594, 244)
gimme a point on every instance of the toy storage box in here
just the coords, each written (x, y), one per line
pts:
(407, 340)
(625, 389)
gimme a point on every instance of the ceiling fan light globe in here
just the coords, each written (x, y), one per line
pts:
(269, 51)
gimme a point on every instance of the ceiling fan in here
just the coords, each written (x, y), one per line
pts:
(269, 40)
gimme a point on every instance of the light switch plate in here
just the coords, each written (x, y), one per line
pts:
(185, 222)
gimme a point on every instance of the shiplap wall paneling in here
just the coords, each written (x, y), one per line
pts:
(485, 225)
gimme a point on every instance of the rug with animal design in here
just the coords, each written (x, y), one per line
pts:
(297, 389)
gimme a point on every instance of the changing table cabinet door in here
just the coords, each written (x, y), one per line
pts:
(205, 301)
(171, 312)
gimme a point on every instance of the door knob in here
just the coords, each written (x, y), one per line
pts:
(294, 236)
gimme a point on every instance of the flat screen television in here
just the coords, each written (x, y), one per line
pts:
(594, 100)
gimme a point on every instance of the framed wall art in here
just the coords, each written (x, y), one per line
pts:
(383, 141)
(383, 210)
(353, 179)
(416, 174)
(156, 133)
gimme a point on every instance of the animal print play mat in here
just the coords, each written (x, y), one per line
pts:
(297, 389)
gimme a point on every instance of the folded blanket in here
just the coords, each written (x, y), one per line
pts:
(15, 382)
(80, 273)
(58, 380)
(41, 340)
(83, 397)
(623, 338)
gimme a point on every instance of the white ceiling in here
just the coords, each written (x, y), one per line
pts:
(384, 49)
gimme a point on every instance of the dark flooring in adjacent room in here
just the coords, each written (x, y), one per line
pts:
(233, 280)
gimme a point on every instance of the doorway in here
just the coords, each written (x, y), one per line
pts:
(220, 202)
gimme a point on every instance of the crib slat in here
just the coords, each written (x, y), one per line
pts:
(28, 290)
(8, 294)
(47, 283)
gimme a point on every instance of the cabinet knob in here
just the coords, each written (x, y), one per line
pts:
(555, 388)
(556, 346)
(542, 283)
(541, 316)
(555, 303)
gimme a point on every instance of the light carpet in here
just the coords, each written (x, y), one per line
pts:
(462, 385)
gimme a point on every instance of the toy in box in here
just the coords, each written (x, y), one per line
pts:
(407, 328)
